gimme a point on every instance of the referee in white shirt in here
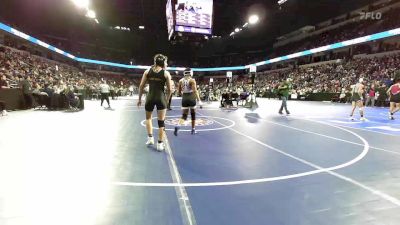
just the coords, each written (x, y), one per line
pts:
(105, 92)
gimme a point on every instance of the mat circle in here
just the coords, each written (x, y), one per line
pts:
(207, 120)
(266, 179)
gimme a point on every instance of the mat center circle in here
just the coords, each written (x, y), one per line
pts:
(199, 122)
(205, 123)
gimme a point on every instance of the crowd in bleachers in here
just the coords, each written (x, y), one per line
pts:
(54, 85)
(333, 77)
(59, 86)
(389, 20)
(336, 78)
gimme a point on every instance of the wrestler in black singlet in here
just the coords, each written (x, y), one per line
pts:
(156, 96)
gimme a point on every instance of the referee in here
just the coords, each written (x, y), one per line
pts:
(105, 92)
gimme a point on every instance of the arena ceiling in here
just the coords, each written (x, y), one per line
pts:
(229, 14)
(61, 17)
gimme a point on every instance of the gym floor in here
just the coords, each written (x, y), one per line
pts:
(242, 167)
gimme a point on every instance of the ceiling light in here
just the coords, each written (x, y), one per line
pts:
(91, 14)
(141, 27)
(253, 19)
(84, 4)
(280, 2)
(237, 30)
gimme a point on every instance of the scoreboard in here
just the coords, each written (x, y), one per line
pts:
(189, 16)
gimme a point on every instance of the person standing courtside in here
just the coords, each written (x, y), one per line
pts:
(3, 85)
(284, 89)
(371, 96)
(157, 77)
(27, 92)
(105, 93)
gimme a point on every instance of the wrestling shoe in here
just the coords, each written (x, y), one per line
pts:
(391, 116)
(176, 131)
(160, 147)
(150, 141)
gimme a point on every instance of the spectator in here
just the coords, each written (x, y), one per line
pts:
(3, 82)
(27, 92)
(3, 111)
(73, 100)
(371, 96)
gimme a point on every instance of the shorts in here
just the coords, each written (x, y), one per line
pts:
(188, 101)
(160, 103)
(395, 98)
(355, 98)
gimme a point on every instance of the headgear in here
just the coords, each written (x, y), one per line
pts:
(188, 72)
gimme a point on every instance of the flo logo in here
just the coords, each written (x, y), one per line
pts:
(199, 122)
(370, 15)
